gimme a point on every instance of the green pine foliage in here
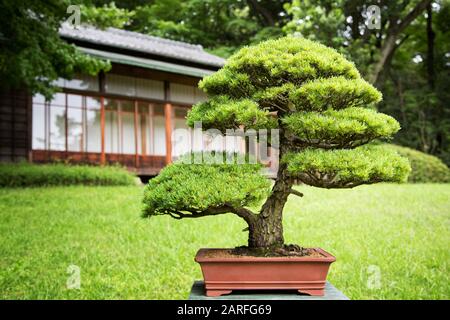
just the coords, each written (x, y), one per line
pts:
(320, 100)
(200, 188)
(274, 63)
(274, 97)
(336, 93)
(346, 128)
(324, 111)
(224, 113)
(348, 167)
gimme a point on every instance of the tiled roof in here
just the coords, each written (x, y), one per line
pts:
(141, 43)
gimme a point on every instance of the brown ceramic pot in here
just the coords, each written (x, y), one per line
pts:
(224, 274)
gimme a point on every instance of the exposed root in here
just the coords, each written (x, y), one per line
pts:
(284, 251)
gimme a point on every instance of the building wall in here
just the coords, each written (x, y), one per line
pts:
(125, 116)
(15, 125)
(19, 137)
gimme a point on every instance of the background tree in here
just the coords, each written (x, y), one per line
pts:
(390, 57)
(349, 31)
(221, 26)
(32, 55)
(106, 15)
(320, 103)
(407, 59)
(412, 74)
(417, 88)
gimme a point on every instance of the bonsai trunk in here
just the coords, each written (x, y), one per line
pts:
(266, 231)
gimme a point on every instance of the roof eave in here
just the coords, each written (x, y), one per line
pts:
(148, 63)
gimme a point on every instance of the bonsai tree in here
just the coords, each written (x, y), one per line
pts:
(324, 112)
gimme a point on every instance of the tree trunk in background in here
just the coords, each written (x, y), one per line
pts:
(387, 50)
(265, 15)
(430, 53)
(389, 44)
(439, 113)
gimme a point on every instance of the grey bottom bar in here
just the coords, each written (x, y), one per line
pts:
(331, 293)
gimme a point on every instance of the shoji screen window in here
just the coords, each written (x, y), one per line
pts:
(158, 130)
(181, 134)
(112, 125)
(40, 123)
(151, 129)
(57, 122)
(93, 134)
(75, 133)
(127, 127)
(119, 127)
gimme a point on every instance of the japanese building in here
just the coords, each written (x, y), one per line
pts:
(125, 116)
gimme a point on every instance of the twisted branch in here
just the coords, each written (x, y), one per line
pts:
(244, 213)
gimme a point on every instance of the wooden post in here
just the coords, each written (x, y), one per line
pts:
(151, 130)
(151, 150)
(30, 127)
(47, 129)
(136, 145)
(84, 141)
(101, 81)
(66, 124)
(168, 118)
(168, 115)
(120, 130)
(102, 127)
(143, 125)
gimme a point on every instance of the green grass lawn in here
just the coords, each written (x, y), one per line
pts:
(391, 242)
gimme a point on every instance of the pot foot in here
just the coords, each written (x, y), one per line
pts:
(216, 293)
(312, 292)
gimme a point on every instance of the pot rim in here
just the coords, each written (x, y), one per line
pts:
(201, 257)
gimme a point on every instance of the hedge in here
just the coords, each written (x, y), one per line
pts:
(30, 175)
(425, 167)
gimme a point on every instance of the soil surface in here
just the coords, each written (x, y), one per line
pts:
(285, 251)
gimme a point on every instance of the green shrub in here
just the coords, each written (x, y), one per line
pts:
(425, 167)
(30, 175)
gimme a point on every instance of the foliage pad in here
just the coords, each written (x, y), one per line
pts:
(197, 188)
(349, 167)
(344, 128)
